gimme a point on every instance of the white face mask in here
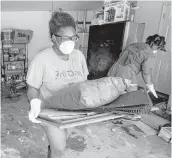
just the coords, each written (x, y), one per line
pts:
(67, 47)
(154, 51)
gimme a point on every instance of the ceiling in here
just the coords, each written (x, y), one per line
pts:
(48, 5)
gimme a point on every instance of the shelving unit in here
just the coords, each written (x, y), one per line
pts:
(14, 65)
(15, 62)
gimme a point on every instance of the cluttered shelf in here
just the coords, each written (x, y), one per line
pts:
(14, 67)
(14, 61)
(14, 71)
(15, 58)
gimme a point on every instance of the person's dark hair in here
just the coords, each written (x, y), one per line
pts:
(156, 40)
(59, 20)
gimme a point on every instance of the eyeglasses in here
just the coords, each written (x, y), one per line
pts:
(161, 47)
(65, 38)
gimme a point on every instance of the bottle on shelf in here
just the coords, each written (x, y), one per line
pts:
(13, 67)
(6, 57)
(6, 66)
(9, 66)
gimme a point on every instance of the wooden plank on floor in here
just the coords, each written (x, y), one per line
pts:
(154, 121)
(89, 121)
(145, 128)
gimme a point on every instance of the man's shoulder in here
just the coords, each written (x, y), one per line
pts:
(76, 52)
(44, 54)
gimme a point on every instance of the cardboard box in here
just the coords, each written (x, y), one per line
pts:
(116, 11)
(15, 36)
(7, 36)
(22, 36)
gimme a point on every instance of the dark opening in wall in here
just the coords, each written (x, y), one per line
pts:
(104, 46)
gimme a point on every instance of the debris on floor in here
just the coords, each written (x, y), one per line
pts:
(154, 121)
(20, 138)
(164, 111)
(165, 133)
(134, 128)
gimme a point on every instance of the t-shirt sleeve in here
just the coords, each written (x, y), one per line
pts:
(35, 73)
(148, 64)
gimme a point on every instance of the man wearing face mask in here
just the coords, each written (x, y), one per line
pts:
(136, 58)
(53, 69)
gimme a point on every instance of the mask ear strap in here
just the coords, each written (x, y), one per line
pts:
(55, 40)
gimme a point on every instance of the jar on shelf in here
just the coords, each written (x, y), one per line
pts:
(21, 77)
(13, 67)
(9, 66)
(6, 57)
(6, 66)
(12, 58)
(15, 57)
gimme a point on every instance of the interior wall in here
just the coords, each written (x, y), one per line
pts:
(150, 14)
(48, 5)
(37, 21)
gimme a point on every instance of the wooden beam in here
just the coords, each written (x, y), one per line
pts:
(54, 112)
(89, 117)
(80, 121)
(89, 121)
(47, 122)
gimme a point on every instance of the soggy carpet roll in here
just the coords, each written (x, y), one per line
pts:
(88, 94)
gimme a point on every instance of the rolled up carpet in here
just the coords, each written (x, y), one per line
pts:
(88, 94)
(101, 95)
(136, 102)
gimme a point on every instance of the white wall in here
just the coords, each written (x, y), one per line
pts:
(48, 5)
(150, 14)
(37, 21)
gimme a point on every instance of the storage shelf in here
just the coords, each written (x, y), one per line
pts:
(14, 61)
(14, 45)
(14, 71)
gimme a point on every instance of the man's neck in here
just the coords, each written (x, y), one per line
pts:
(59, 54)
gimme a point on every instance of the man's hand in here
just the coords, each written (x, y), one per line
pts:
(35, 110)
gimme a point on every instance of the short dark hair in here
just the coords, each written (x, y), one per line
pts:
(156, 40)
(59, 20)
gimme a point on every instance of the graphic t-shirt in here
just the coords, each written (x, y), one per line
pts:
(48, 73)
